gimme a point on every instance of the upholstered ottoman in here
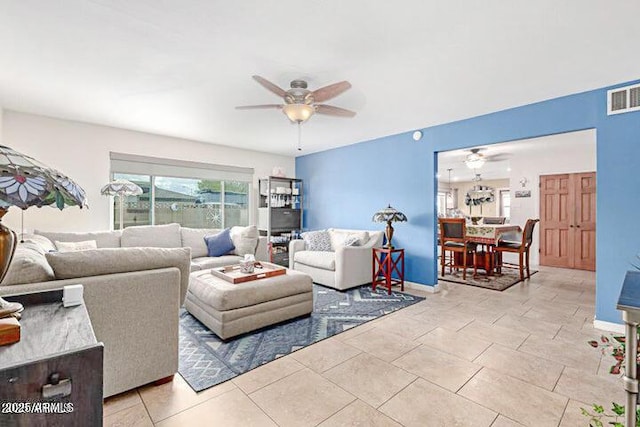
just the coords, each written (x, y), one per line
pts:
(232, 309)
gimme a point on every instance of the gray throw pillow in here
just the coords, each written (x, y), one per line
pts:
(317, 240)
(29, 265)
(245, 240)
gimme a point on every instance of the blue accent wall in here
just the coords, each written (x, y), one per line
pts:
(345, 186)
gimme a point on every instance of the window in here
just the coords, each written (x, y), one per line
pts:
(505, 203)
(137, 209)
(446, 201)
(442, 203)
(189, 196)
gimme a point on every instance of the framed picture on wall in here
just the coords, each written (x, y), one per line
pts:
(522, 193)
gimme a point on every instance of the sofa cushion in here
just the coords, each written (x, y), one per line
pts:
(104, 239)
(338, 237)
(219, 244)
(319, 259)
(152, 236)
(245, 240)
(317, 240)
(194, 239)
(76, 246)
(29, 265)
(202, 263)
(97, 262)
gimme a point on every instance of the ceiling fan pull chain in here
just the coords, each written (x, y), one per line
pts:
(299, 136)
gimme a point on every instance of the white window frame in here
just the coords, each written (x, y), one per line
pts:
(499, 202)
(122, 163)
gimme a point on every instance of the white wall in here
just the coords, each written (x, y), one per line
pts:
(488, 209)
(562, 153)
(81, 151)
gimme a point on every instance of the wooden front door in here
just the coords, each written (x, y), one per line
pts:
(568, 220)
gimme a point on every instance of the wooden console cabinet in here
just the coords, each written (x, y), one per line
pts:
(53, 375)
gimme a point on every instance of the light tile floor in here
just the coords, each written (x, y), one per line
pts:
(465, 356)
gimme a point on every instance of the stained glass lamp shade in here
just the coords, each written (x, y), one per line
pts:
(25, 182)
(389, 215)
(121, 188)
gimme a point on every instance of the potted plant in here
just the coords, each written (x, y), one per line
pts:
(598, 416)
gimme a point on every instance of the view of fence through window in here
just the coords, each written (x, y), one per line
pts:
(190, 202)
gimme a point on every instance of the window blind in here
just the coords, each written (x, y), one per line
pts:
(156, 166)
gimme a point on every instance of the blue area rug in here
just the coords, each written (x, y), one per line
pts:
(206, 360)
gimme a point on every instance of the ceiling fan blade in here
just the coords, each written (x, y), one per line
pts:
(498, 157)
(330, 110)
(270, 86)
(259, 107)
(331, 91)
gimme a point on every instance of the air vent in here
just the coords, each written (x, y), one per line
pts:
(623, 100)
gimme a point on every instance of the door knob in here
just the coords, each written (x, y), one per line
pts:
(571, 226)
(577, 226)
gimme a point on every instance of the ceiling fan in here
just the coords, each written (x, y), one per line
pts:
(301, 103)
(475, 160)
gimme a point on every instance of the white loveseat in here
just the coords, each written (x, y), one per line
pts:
(342, 267)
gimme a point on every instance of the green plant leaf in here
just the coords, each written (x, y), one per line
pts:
(597, 423)
(617, 409)
(616, 424)
(586, 413)
(598, 408)
(59, 200)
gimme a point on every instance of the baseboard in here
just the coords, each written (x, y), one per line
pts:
(609, 326)
(420, 287)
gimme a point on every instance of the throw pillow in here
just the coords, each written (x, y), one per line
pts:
(317, 240)
(351, 240)
(245, 240)
(29, 265)
(104, 239)
(46, 244)
(219, 244)
(338, 237)
(76, 246)
(194, 238)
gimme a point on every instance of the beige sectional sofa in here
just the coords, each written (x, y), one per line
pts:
(134, 284)
(341, 267)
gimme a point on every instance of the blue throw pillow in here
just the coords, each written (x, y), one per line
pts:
(219, 244)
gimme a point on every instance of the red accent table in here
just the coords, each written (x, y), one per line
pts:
(387, 261)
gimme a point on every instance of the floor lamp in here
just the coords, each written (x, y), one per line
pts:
(121, 188)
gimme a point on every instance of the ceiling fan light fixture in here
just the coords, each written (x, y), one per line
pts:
(298, 113)
(474, 161)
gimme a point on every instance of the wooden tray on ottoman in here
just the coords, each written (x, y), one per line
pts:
(231, 273)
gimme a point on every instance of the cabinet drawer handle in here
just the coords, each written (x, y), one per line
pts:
(57, 388)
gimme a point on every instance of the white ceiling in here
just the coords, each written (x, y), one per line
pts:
(179, 67)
